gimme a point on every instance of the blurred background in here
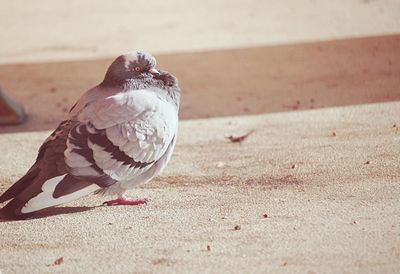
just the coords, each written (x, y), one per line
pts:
(231, 57)
(71, 29)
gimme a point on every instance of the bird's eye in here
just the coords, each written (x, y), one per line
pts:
(137, 69)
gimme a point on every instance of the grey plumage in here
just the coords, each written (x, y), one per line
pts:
(119, 134)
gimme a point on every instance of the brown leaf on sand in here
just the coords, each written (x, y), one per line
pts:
(239, 139)
(59, 261)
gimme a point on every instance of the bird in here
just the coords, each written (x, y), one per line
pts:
(119, 134)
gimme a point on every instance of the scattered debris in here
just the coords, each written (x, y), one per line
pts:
(334, 134)
(220, 164)
(162, 261)
(59, 261)
(208, 248)
(237, 227)
(367, 162)
(239, 139)
(294, 107)
(312, 103)
(265, 215)
(294, 166)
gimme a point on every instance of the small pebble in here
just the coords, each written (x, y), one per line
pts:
(367, 162)
(237, 227)
(208, 248)
(265, 215)
(59, 261)
(220, 164)
(294, 166)
(334, 134)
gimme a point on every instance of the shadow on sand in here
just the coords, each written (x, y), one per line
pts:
(51, 212)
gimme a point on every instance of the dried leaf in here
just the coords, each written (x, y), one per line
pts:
(239, 139)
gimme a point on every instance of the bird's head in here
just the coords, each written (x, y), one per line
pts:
(136, 65)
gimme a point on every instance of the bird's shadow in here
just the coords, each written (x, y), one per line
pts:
(51, 212)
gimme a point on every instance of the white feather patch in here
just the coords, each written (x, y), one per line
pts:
(45, 198)
(75, 160)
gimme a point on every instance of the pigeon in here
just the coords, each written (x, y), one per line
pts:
(118, 135)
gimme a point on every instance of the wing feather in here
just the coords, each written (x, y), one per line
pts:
(128, 132)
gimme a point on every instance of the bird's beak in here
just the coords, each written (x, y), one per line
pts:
(154, 71)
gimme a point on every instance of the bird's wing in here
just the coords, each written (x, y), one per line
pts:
(39, 187)
(126, 133)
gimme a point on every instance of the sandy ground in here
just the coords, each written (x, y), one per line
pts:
(315, 189)
(331, 213)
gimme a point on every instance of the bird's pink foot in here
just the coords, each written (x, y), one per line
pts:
(125, 201)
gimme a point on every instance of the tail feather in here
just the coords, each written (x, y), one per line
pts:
(52, 192)
(20, 185)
